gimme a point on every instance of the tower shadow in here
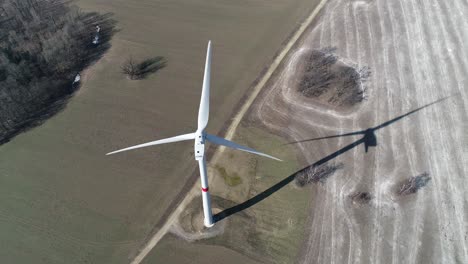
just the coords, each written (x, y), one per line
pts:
(369, 139)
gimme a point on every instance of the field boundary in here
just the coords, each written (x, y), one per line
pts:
(231, 130)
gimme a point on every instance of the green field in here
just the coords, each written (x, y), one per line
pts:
(61, 199)
(174, 250)
(269, 231)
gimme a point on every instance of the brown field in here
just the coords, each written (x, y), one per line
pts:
(61, 199)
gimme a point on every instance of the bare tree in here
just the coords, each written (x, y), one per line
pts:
(315, 174)
(129, 68)
(43, 45)
(413, 184)
(140, 70)
(326, 76)
(361, 197)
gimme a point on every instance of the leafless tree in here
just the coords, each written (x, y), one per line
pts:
(140, 70)
(361, 197)
(43, 45)
(315, 174)
(129, 68)
(325, 73)
(413, 184)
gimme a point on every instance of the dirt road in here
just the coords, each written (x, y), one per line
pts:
(417, 54)
(230, 132)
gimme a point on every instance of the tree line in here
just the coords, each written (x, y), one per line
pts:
(44, 44)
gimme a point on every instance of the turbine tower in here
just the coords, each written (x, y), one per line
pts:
(201, 137)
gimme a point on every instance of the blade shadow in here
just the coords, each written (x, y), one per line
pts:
(369, 139)
(369, 133)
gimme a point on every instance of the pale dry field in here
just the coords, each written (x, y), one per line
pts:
(417, 54)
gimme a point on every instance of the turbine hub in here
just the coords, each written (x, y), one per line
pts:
(199, 148)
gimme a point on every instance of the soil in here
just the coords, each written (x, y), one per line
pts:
(417, 53)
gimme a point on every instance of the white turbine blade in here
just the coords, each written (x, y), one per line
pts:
(157, 142)
(204, 110)
(230, 144)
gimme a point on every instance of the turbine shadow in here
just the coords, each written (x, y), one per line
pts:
(369, 139)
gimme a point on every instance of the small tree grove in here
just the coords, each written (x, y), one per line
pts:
(43, 45)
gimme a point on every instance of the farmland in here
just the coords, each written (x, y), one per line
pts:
(397, 194)
(400, 196)
(62, 200)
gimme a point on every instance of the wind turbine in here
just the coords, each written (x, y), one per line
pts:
(201, 137)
